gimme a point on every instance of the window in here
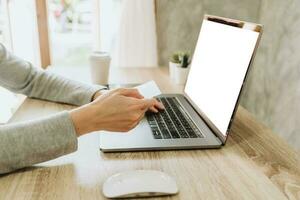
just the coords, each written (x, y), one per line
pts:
(4, 27)
(75, 29)
(71, 35)
(8, 100)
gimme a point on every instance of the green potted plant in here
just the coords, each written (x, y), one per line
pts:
(179, 67)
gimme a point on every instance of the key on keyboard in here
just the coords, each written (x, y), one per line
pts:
(172, 122)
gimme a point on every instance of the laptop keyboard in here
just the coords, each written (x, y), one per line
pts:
(172, 122)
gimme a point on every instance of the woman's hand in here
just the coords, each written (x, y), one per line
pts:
(117, 110)
(135, 94)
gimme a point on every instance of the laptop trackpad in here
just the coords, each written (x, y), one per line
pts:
(140, 135)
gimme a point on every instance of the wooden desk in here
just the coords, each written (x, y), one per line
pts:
(254, 164)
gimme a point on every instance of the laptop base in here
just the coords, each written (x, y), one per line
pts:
(141, 138)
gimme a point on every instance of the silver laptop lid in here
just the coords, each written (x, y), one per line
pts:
(221, 61)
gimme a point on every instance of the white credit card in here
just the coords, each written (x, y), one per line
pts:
(149, 89)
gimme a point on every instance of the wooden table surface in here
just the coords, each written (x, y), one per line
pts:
(254, 164)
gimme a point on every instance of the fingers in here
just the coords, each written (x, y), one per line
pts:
(148, 104)
(153, 109)
(145, 104)
(159, 105)
(130, 92)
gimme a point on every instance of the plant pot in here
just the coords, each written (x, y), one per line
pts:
(172, 67)
(181, 75)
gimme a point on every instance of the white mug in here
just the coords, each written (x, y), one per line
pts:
(99, 67)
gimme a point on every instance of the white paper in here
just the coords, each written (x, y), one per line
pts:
(149, 89)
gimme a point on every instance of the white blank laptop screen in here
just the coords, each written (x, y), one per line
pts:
(219, 65)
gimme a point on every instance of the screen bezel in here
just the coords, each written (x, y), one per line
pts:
(238, 24)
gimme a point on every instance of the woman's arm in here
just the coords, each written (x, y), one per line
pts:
(20, 76)
(27, 143)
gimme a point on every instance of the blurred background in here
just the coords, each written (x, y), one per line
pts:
(60, 34)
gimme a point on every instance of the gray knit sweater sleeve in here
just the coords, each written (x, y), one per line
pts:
(27, 143)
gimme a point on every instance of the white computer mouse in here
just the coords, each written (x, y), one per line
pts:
(139, 183)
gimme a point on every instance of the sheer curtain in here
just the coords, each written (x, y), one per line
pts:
(18, 34)
(24, 33)
(137, 45)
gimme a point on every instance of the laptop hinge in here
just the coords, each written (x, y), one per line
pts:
(205, 121)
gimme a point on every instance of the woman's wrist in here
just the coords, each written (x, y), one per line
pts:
(82, 118)
(99, 93)
(96, 95)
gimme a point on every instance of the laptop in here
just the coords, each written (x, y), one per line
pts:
(202, 116)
